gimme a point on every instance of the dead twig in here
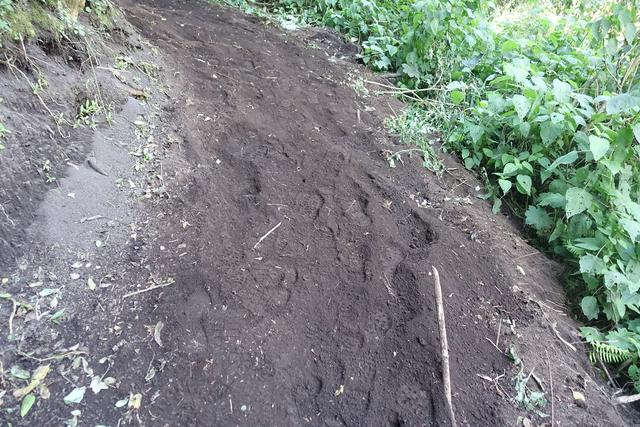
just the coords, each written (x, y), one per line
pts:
(538, 381)
(55, 356)
(494, 344)
(606, 372)
(446, 378)
(550, 386)
(13, 313)
(565, 342)
(626, 399)
(267, 234)
(141, 291)
(90, 218)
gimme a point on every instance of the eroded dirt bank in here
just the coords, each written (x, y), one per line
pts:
(299, 261)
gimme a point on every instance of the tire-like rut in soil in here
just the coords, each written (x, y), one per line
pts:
(330, 319)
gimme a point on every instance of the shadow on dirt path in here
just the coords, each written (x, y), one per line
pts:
(300, 261)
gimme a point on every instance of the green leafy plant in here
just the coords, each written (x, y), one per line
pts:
(86, 115)
(413, 128)
(3, 132)
(6, 7)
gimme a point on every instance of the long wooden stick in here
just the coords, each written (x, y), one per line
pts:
(446, 378)
(626, 399)
(267, 235)
(130, 294)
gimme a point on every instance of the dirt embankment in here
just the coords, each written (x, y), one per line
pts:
(286, 279)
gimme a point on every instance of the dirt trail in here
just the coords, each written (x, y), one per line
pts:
(301, 260)
(330, 319)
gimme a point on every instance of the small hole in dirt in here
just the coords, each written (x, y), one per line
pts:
(420, 234)
(50, 47)
(72, 55)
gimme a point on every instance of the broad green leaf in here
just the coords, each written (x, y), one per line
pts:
(636, 131)
(578, 200)
(497, 204)
(589, 307)
(382, 63)
(509, 169)
(522, 105)
(496, 102)
(557, 231)
(469, 163)
(391, 49)
(624, 137)
(27, 403)
(588, 243)
(591, 264)
(476, 132)
(555, 200)
(556, 118)
(538, 218)
(505, 184)
(598, 146)
(508, 46)
(622, 103)
(613, 278)
(629, 31)
(631, 227)
(549, 132)
(561, 90)
(620, 307)
(523, 184)
(633, 271)
(457, 96)
(591, 334)
(518, 69)
(411, 70)
(611, 46)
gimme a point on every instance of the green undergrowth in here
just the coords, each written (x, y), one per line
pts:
(26, 19)
(542, 99)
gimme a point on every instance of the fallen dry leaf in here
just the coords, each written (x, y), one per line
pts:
(38, 376)
(156, 332)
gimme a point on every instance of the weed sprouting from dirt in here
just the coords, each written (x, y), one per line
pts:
(529, 400)
(86, 114)
(3, 132)
(414, 129)
(25, 19)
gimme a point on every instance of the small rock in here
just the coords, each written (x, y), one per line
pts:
(579, 399)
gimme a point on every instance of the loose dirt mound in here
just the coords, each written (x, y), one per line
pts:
(301, 260)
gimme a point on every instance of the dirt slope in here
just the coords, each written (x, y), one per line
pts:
(300, 260)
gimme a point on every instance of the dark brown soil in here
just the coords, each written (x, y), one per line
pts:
(301, 261)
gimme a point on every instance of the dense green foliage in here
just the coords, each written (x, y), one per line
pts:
(543, 100)
(24, 19)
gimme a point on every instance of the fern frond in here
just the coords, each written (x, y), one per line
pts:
(608, 353)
